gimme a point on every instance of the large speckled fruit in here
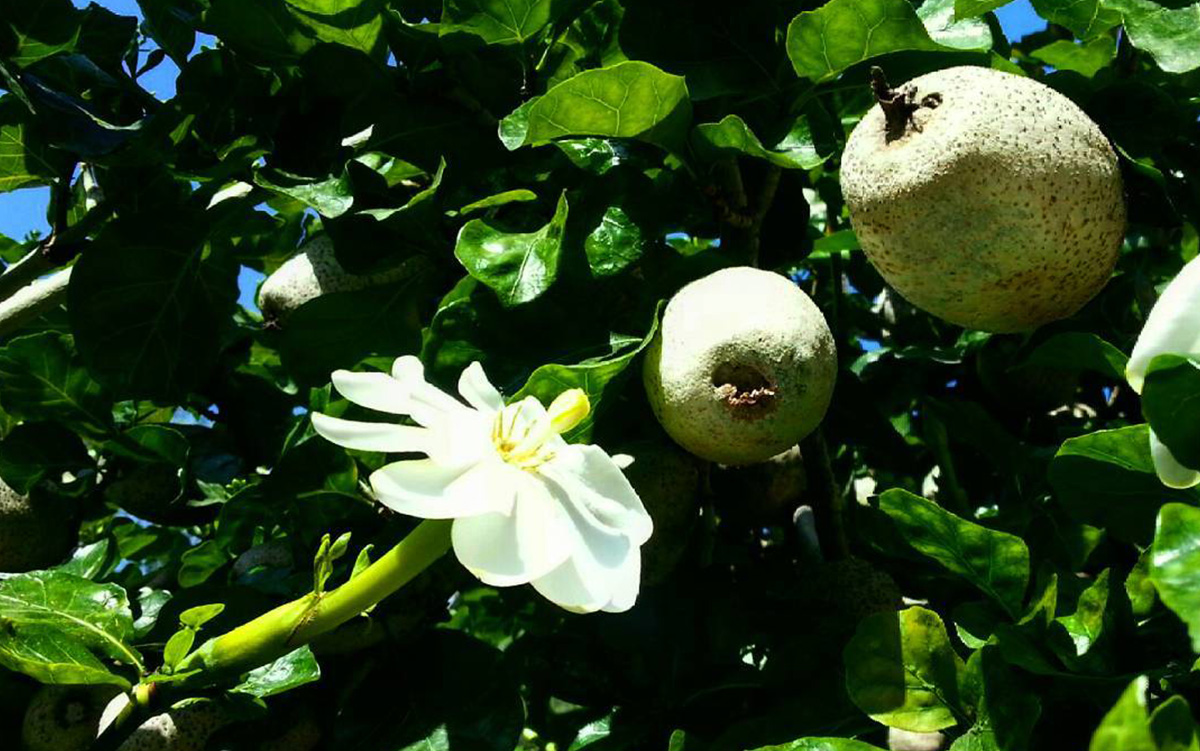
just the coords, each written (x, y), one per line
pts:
(742, 366)
(64, 718)
(184, 727)
(315, 271)
(1001, 209)
(36, 530)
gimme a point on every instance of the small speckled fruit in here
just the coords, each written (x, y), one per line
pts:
(742, 366)
(182, 728)
(36, 530)
(315, 271)
(64, 718)
(762, 493)
(996, 206)
(668, 482)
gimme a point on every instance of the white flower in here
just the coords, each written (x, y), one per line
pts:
(527, 506)
(1172, 328)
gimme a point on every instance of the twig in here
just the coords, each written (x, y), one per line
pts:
(57, 249)
(827, 494)
(32, 300)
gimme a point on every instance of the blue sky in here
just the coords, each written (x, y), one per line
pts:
(24, 211)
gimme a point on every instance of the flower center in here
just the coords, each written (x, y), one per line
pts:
(521, 432)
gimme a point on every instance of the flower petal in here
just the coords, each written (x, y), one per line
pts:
(370, 436)
(426, 489)
(596, 487)
(567, 588)
(1170, 471)
(1172, 327)
(377, 391)
(509, 549)
(478, 390)
(625, 583)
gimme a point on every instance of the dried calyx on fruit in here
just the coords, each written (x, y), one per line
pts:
(742, 366)
(987, 199)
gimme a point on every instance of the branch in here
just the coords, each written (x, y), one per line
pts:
(59, 248)
(33, 300)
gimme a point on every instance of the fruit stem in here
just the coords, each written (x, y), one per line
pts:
(296, 623)
(899, 105)
(827, 495)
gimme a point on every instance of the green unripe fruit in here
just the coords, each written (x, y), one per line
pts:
(742, 366)
(36, 530)
(762, 492)
(996, 205)
(315, 271)
(64, 718)
(668, 482)
(181, 728)
(153, 492)
(853, 589)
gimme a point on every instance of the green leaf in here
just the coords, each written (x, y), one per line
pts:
(357, 24)
(39, 29)
(1086, 58)
(41, 378)
(178, 647)
(972, 8)
(499, 199)
(293, 670)
(199, 563)
(25, 159)
(201, 614)
(169, 26)
(330, 196)
(1126, 727)
(959, 32)
(148, 305)
(1092, 620)
(498, 21)
(796, 150)
(1107, 479)
(616, 244)
(88, 561)
(1077, 351)
(995, 562)
(902, 671)
(519, 267)
(821, 744)
(1005, 709)
(1170, 34)
(823, 42)
(1171, 404)
(50, 619)
(48, 656)
(1173, 727)
(1175, 564)
(628, 100)
(594, 376)
(1086, 19)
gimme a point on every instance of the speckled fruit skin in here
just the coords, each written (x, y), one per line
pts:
(315, 271)
(36, 531)
(742, 366)
(64, 718)
(1003, 212)
(182, 728)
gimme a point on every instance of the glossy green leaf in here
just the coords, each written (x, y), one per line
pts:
(1126, 727)
(822, 744)
(1168, 32)
(951, 30)
(169, 27)
(293, 670)
(519, 267)
(615, 244)
(1077, 351)
(995, 562)
(1171, 404)
(52, 619)
(1173, 727)
(796, 150)
(201, 562)
(25, 159)
(1175, 564)
(330, 196)
(201, 614)
(173, 301)
(1086, 58)
(627, 100)
(594, 376)
(89, 561)
(41, 378)
(1092, 620)
(1107, 479)
(1086, 19)
(39, 29)
(823, 42)
(902, 671)
(500, 199)
(1006, 711)
(178, 646)
(972, 8)
(357, 24)
(498, 21)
